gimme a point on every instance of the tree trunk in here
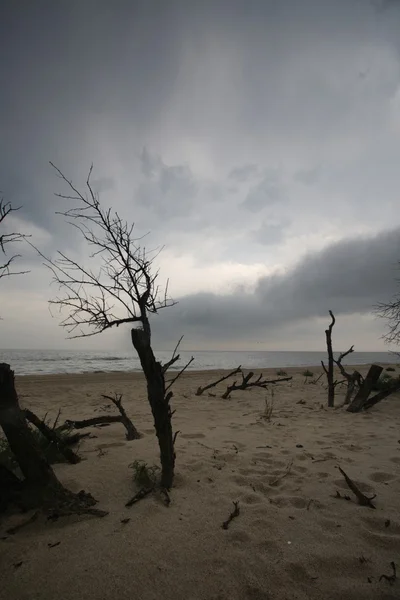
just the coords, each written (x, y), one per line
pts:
(331, 385)
(159, 403)
(365, 390)
(380, 396)
(34, 467)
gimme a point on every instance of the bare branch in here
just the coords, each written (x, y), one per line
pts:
(247, 384)
(8, 238)
(172, 381)
(124, 280)
(175, 357)
(200, 390)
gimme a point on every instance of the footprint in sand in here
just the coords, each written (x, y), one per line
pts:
(239, 537)
(395, 459)
(294, 501)
(251, 499)
(364, 487)
(383, 526)
(381, 476)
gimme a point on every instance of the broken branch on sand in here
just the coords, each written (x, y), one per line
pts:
(131, 431)
(235, 513)
(363, 500)
(200, 389)
(246, 383)
(142, 493)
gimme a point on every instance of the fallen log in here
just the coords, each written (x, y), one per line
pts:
(53, 437)
(362, 395)
(200, 389)
(131, 431)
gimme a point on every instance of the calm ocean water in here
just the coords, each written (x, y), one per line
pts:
(28, 362)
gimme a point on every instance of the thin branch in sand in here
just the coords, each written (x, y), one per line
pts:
(363, 500)
(142, 493)
(16, 528)
(278, 479)
(200, 389)
(247, 384)
(390, 578)
(235, 513)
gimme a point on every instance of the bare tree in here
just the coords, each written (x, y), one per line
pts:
(391, 312)
(8, 238)
(329, 370)
(122, 290)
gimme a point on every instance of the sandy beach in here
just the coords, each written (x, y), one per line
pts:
(293, 539)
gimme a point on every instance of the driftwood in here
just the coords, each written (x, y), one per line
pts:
(366, 388)
(142, 493)
(381, 395)
(363, 500)
(353, 380)
(329, 370)
(131, 431)
(53, 437)
(200, 390)
(247, 384)
(40, 488)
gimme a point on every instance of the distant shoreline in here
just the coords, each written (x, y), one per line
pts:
(137, 373)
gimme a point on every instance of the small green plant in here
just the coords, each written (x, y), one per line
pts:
(390, 369)
(385, 382)
(269, 407)
(281, 373)
(143, 474)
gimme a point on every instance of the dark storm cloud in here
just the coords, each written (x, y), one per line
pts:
(220, 92)
(348, 277)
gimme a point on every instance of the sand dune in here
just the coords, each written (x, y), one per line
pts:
(292, 539)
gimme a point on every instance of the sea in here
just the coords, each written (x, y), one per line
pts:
(44, 362)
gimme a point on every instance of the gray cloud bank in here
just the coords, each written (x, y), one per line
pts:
(348, 277)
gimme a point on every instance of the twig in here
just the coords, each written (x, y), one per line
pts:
(235, 513)
(390, 578)
(142, 493)
(175, 357)
(16, 528)
(278, 479)
(363, 500)
(172, 381)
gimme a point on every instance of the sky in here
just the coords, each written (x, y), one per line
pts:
(257, 141)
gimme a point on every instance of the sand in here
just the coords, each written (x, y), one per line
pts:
(292, 539)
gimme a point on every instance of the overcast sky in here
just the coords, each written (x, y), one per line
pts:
(259, 141)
